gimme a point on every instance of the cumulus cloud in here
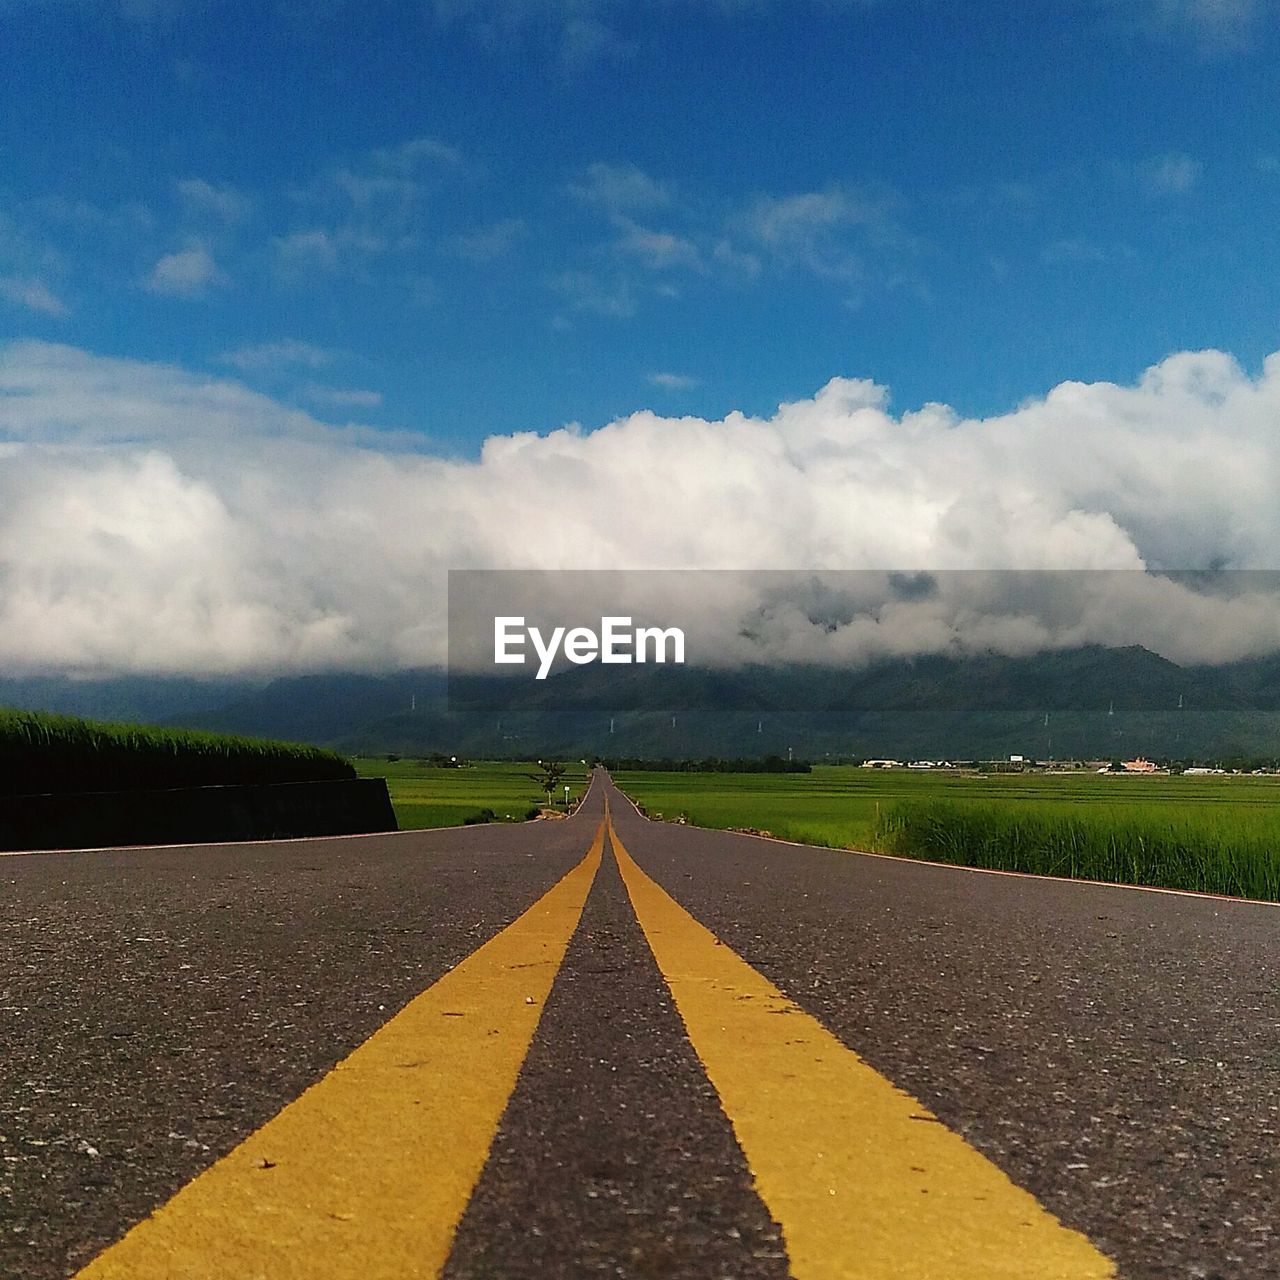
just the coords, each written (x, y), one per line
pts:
(186, 274)
(154, 519)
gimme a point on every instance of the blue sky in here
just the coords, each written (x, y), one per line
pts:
(304, 305)
(480, 216)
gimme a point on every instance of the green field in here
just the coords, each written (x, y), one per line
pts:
(425, 795)
(1218, 834)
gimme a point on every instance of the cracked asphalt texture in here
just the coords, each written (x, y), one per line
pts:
(1116, 1052)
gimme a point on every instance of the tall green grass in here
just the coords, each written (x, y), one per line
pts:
(1216, 834)
(41, 753)
(1232, 852)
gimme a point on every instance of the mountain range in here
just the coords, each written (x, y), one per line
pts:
(1089, 702)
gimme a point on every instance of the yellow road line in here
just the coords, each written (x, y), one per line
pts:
(863, 1180)
(367, 1173)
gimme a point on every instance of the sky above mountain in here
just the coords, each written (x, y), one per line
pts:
(471, 217)
(304, 304)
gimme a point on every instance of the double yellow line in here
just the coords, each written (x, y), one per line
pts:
(864, 1181)
(367, 1174)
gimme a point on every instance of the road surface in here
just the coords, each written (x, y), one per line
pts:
(609, 1047)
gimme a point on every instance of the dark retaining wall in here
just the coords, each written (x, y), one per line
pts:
(195, 815)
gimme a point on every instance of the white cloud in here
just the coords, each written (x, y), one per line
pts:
(577, 31)
(33, 294)
(341, 397)
(832, 234)
(847, 237)
(1081, 251)
(409, 157)
(672, 381)
(488, 243)
(580, 32)
(186, 274)
(657, 250)
(584, 41)
(224, 203)
(370, 205)
(1172, 174)
(152, 519)
(273, 356)
(307, 250)
(1220, 24)
(612, 297)
(620, 188)
(388, 181)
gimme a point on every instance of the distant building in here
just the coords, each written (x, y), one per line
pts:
(882, 764)
(1139, 766)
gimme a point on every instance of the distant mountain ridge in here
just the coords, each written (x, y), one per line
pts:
(1087, 702)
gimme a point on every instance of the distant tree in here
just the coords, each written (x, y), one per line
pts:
(548, 776)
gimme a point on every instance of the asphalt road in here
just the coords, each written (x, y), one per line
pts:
(1100, 1066)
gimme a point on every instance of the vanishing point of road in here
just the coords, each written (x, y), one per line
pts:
(610, 1047)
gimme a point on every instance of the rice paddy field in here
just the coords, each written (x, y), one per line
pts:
(426, 795)
(1218, 834)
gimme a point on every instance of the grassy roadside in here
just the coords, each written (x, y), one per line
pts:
(42, 753)
(1212, 834)
(1172, 846)
(425, 795)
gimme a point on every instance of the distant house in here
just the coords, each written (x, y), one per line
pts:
(1139, 766)
(882, 764)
